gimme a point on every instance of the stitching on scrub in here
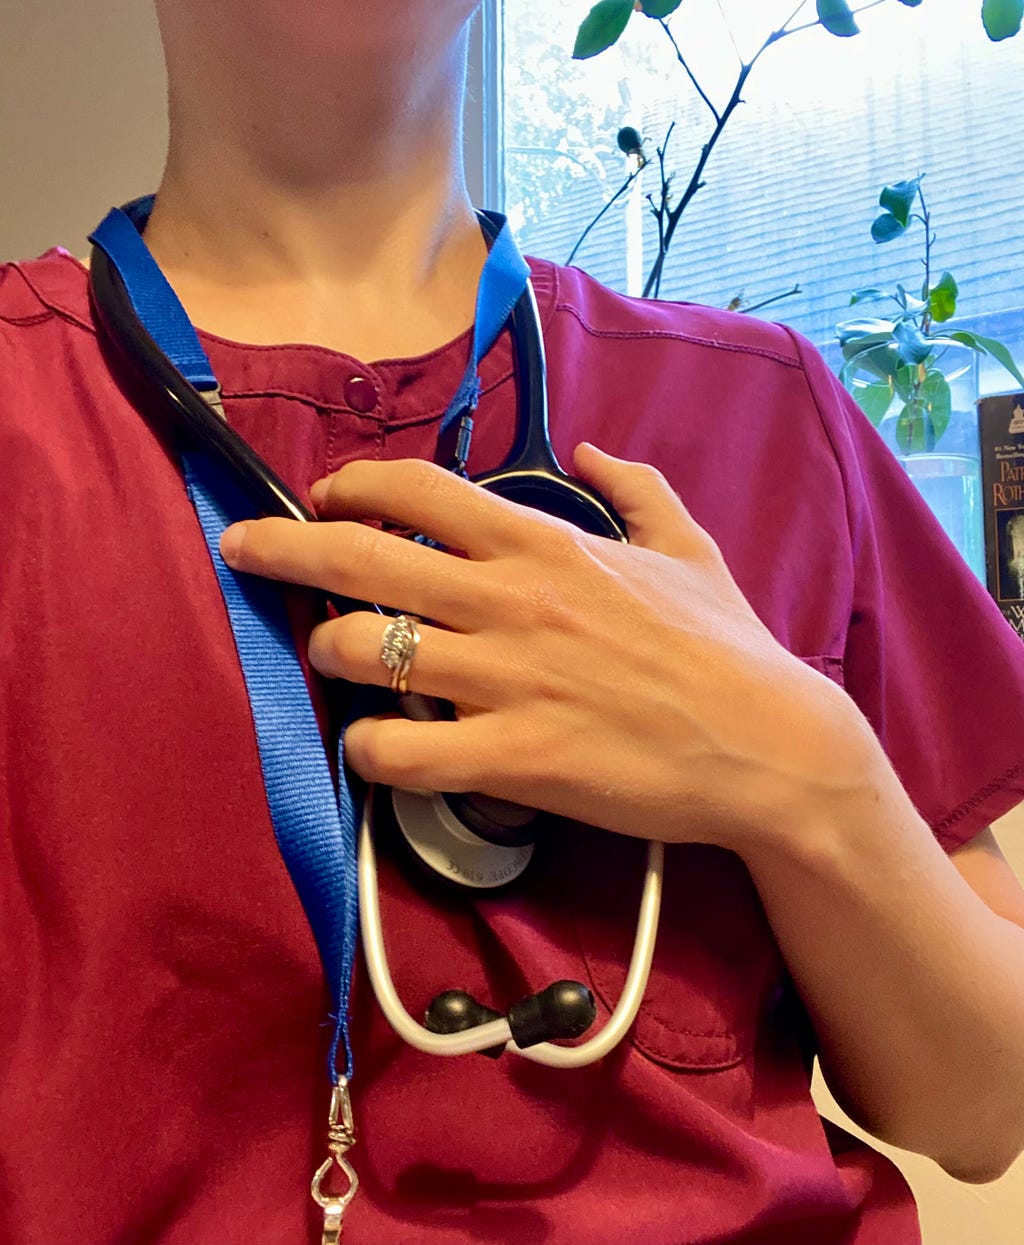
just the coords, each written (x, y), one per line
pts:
(601, 981)
(723, 1062)
(547, 315)
(63, 312)
(692, 338)
(979, 797)
(21, 322)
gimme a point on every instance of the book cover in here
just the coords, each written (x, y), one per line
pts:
(1001, 437)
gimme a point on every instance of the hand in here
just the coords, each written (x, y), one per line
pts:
(627, 686)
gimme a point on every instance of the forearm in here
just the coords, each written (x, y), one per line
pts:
(915, 987)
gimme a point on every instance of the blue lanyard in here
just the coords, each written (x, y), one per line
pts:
(315, 826)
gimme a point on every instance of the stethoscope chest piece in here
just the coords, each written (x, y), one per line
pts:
(449, 848)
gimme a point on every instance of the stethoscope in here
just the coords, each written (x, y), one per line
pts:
(476, 843)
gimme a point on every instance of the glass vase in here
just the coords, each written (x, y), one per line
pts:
(946, 468)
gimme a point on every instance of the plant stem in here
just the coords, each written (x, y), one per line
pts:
(653, 282)
(863, 9)
(728, 30)
(621, 191)
(766, 302)
(926, 320)
(795, 14)
(695, 183)
(689, 72)
(661, 211)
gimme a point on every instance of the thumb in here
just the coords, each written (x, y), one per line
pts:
(655, 517)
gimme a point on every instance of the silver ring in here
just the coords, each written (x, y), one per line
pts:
(398, 648)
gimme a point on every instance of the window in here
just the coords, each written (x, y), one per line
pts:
(792, 185)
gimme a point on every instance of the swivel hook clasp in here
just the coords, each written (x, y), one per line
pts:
(341, 1136)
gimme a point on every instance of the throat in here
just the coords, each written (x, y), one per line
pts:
(368, 329)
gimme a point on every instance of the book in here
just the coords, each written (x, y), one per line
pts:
(1001, 438)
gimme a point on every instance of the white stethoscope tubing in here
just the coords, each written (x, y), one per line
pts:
(496, 1032)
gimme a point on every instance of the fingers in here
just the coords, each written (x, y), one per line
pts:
(451, 666)
(430, 756)
(428, 499)
(358, 561)
(654, 515)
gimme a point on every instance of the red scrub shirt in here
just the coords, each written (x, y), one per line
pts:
(162, 1015)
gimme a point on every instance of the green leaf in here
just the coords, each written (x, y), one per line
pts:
(909, 302)
(938, 402)
(914, 347)
(988, 345)
(874, 400)
(879, 359)
(601, 27)
(660, 8)
(868, 295)
(886, 227)
(942, 298)
(851, 329)
(837, 18)
(1002, 18)
(899, 199)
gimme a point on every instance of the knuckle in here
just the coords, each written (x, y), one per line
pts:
(542, 603)
(650, 473)
(650, 480)
(357, 544)
(426, 477)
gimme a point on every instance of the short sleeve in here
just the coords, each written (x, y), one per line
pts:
(929, 658)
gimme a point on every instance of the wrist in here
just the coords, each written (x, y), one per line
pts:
(835, 788)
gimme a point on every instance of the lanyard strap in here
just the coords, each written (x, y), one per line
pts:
(315, 826)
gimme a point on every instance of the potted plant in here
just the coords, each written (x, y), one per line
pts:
(917, 380)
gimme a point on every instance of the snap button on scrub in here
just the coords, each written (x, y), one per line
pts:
(360, 394)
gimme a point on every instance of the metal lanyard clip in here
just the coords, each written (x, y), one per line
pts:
(341, 1136)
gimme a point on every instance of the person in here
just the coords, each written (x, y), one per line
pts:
(819, 723)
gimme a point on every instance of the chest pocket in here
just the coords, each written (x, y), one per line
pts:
(717, 968)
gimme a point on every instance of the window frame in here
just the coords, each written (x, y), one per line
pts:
(484, 112)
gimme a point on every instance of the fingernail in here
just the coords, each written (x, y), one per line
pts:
(231, 541)
(318, 493)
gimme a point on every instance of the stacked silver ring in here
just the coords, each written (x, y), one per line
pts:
(398, 648)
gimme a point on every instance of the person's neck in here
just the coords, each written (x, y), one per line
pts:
(345, 226)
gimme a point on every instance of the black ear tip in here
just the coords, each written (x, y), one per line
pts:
(574, 1003)
(566, 1009)
(455, 1011)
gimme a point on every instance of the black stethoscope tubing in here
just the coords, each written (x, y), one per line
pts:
(531, 475)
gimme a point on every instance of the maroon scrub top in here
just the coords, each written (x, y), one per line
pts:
(162, 1014)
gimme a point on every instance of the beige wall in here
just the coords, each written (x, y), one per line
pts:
(81, 117)
(81, 127)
